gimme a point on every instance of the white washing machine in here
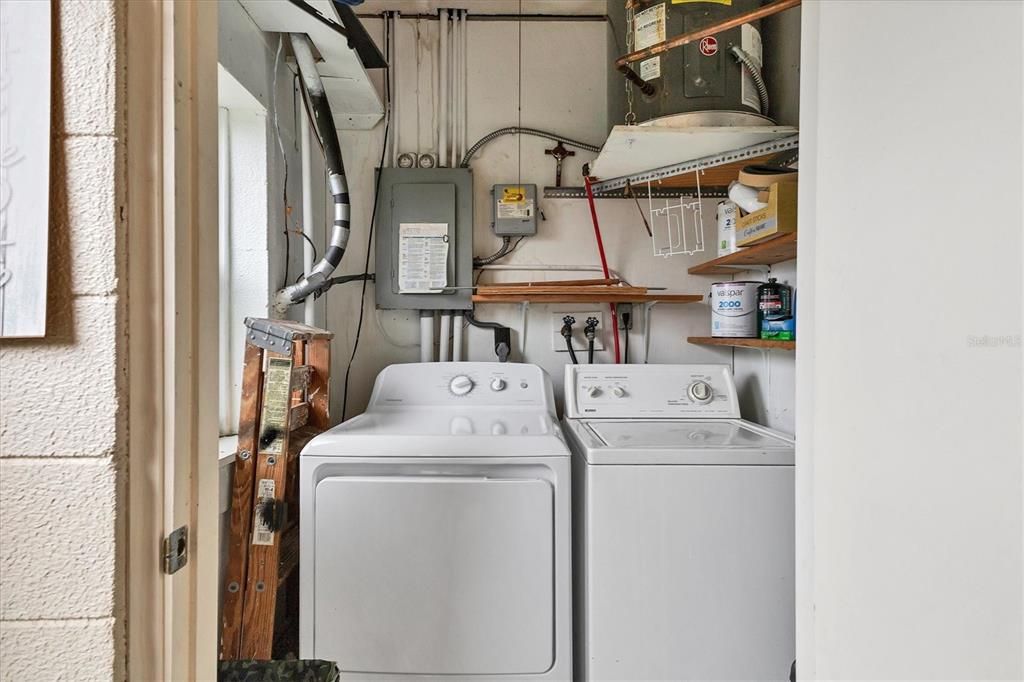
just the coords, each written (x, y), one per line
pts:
(683, 524)
(435, 537)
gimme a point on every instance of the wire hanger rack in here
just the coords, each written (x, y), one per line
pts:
(677, 228)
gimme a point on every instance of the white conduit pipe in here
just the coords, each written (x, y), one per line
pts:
(457, 329)
(396, 118)
(442, 100)
(308, 314)
(227, 391)
(457, 82)
(464, 109)
(426, 336)
(446, 332)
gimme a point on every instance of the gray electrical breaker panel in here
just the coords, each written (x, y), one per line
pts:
(424, 240)
(514, 208)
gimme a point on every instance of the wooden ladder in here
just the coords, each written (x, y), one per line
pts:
(285, 398)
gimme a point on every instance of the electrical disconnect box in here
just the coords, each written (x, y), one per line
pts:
(424, 240)
(514, 208)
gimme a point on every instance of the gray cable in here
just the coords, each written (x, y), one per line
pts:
(516, 130)
(747, 61)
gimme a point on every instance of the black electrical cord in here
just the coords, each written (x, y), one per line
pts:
(502, 335)
(369, 243)
(506, 247)
(625, 348)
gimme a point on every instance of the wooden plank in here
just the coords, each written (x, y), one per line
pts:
(299, 416)
(258, 613)
(527, 297)
(289, 559)
(300, 377)
(777, 250)
(764, 344)
(318, 395)
(241, 504)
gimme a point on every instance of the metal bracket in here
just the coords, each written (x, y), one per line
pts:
(640, 192)
(764, 269)
(752, 152)
(175, 550)
(269, 336)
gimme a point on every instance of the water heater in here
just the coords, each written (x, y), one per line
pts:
(703, 76)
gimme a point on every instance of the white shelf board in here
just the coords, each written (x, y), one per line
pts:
(354, 100)
(635, 149)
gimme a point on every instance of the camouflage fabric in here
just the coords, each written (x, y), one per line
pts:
(278, 671)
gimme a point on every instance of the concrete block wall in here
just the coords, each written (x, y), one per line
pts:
(62, 397)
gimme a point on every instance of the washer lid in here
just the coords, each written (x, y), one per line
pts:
(717, 442)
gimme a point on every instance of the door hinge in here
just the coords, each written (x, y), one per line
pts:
(175, 550)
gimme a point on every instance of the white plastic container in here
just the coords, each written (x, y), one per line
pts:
(734, 309)
(727, 214)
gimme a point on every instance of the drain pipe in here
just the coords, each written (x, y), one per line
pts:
(446, 332)
(457, 328)
(317, 280)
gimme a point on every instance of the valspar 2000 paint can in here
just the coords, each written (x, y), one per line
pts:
(734, 309)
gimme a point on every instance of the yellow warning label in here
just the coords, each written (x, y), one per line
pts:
(513, 195)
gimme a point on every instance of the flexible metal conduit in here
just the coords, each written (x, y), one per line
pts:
(515, 130)
(755, 74)
(318, 280)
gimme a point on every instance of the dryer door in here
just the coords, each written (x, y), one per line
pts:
(434, 575)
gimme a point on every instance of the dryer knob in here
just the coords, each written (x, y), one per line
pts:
(700, 392)
(497, 384)
(461, 385)
(499, 429)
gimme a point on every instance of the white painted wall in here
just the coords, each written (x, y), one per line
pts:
(909, 385)
(563, 90)
(62, 398)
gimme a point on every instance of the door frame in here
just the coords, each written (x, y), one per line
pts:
(170, 76)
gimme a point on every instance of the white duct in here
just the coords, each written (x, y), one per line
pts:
(426, 336)
(446, 333)
(442, 100)
(456, 85)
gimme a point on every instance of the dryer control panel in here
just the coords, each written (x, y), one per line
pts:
(650, 391)
(463, 384)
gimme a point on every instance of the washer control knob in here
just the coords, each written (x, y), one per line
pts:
(498, 384)
(461, 385)
(499, 428)
(594, 391)
(700, 392)
(619, 392)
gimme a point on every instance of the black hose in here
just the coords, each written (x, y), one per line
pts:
(468, 316)
(572, 351)
(515, 130)
(590, 351)
(625, 348)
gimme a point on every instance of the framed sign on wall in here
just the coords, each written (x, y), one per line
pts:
(24, 165)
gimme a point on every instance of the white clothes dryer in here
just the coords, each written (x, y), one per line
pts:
(435, 535)
(683, 524)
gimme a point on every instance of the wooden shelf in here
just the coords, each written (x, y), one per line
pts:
(763, 344)
(773, 251)
(527, 297)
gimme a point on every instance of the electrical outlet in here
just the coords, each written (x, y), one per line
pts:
(579, 341)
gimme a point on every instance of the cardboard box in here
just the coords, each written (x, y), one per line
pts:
(778, 217)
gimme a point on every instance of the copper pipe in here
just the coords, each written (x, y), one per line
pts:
(693, 36)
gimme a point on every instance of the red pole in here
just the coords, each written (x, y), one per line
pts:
(604, 263)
